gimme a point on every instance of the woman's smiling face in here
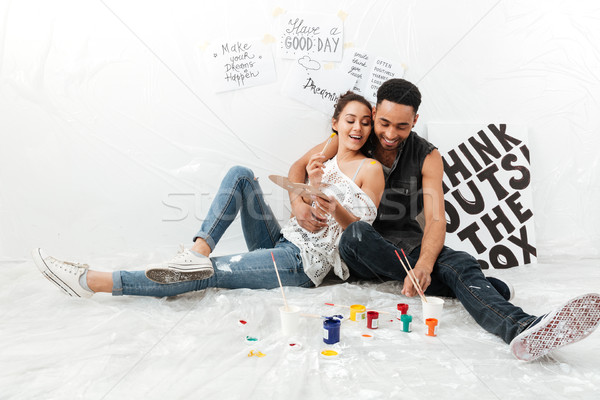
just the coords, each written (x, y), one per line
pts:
(353, 125)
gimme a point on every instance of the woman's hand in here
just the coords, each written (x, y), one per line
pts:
(314, 168)
(326, 207)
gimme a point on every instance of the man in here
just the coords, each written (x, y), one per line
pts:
(413, 170)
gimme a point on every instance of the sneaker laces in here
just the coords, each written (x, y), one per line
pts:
(72, 267)
(181, 254)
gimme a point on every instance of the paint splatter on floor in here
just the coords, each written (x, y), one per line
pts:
(256, 354)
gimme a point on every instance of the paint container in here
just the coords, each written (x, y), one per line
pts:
(290, 319)
(432, 308)
(406, 321)
(329, 354)
(358, 312)
(372, 319)
(402, 309)
(331, 330)
(431, 326)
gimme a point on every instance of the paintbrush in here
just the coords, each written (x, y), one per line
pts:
(411, 268)
(280, 285)
(327, 144)
(413, 280)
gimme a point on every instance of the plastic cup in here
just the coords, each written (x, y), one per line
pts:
(290, 319)
(432, 308)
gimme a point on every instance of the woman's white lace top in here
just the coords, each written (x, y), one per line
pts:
(319, 250)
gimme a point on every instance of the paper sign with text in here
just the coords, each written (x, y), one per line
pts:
(318, 36)
(487, 191)
(235, 65)
(317, 85)
(357, 63)
(370, 72)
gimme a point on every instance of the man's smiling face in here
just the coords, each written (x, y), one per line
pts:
(393, 123)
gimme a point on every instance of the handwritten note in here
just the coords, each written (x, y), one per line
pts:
(317, 36)
(383, 70)
(358, 65)
(240, 64)
(320, 88)
(370, 71)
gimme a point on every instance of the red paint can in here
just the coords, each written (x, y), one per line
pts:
(402, 310)
(372, 319)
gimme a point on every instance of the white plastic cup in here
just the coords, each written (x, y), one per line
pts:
(432, 308)
(290, 320)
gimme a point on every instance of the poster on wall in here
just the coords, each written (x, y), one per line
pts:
(370, 72)
(318, 36)
(316, 84)
(487, 191)
(234, 65)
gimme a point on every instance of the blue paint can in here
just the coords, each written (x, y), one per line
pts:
(331, 330)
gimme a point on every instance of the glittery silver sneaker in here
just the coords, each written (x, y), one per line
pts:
(63, 274)
(571, 322)
(185, 266)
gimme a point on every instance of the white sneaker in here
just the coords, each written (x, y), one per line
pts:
(568, 324)
(63, 274)
(185, 266)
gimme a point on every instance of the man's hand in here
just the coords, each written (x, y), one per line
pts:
(326, 207)
(423, 276)
(307, 216)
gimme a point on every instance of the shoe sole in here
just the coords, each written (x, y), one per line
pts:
(166, 276)
(511, 291)
(572, 322)
(51, 276)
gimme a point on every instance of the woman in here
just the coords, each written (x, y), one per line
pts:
(355, 186)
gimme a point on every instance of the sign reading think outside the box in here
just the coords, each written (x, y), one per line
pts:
(487, 192)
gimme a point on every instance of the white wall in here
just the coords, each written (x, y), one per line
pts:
(106, 115)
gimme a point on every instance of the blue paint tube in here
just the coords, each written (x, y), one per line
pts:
(331, 330)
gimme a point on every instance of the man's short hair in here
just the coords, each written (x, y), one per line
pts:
(400, 91)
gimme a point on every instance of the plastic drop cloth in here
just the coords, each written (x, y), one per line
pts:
(193, 346)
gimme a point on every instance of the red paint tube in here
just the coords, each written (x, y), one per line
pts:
(402, 310)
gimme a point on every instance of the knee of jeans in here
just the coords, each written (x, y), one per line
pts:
(352, 236)
(461, 263)
(239, 171)
(467, 261)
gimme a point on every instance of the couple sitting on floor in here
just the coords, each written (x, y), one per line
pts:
(374, 172)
